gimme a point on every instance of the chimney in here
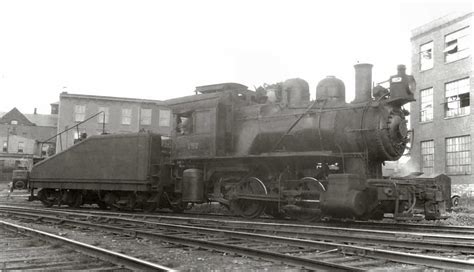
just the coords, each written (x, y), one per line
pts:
(54, 108)
(363, 82)
(34, 111)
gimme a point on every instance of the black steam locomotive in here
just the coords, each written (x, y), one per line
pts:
(271, 150)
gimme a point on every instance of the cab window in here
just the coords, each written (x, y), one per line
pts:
(184, 123)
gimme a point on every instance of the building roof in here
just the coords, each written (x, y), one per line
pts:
(110, 98)
(439, 23)
(15, 115)
(43, 120)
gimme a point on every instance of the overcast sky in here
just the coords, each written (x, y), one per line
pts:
(163, 49)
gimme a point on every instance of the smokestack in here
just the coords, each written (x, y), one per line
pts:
(35, 111)
(363, 82)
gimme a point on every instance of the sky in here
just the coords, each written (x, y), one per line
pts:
(164, 49)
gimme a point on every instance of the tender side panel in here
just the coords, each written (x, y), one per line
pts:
(111, 162)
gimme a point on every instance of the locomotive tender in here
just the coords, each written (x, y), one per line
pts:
(271, 150)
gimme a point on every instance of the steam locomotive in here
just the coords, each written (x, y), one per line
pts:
(269, 151)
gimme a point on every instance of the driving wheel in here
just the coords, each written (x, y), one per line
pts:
(248, 208)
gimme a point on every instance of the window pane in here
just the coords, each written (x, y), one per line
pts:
(165, 118)
(21, 147)
(79, 113)
(458, 155)
(426, 111)
(427, 156)
(457, 95)
(456, 45)
(426, 56)
(126, 116)
(145, 116)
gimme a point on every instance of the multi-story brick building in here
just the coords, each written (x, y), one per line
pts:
(121, 115)
(442, 116)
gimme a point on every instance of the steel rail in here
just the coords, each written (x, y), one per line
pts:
(104, 254)
(417, 259)
(395, 226)
(273, 256)
(433, 242)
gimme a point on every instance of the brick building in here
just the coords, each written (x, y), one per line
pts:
(122, 115)
(22, 138)
(442, 117)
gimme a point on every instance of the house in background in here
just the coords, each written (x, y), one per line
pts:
(22, 138)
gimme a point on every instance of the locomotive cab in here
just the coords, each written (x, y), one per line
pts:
(202, 130)
(203, 123)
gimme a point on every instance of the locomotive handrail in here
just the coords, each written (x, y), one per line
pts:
(293, 125)
(75, 126)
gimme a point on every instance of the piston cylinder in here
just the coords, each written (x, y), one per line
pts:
(193, 186)
(347, 196)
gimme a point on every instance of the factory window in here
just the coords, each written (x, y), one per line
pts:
(145, 116)
(126, 116)
(203, 122)
(457, 101)
(426, 56)
(456, 45)
(165, 118)
(79, 113)
(458, 155)
(427, 156)
(426, 111)
(103, 118)
(184, 123)
(14, 122)
(21, 147)
(5, 146)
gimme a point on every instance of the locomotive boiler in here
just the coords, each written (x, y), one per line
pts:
(269, 151)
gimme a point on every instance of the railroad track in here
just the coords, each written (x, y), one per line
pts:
(375, 225)
(419, 234)
(25, 248)
(250, 240)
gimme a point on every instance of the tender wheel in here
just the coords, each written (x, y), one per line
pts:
(131, 201)
(47, 197)
(307, 206)
(76, 200)
(247, 208)
(111, 200)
